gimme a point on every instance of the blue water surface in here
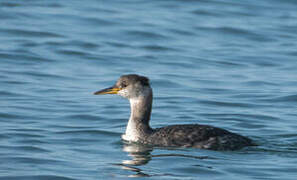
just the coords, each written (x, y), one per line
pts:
(226, 63)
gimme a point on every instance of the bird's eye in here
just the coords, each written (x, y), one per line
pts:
(124, 84)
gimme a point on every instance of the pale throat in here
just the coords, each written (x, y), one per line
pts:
(138, 123)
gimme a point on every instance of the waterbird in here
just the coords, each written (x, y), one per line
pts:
(137, 90)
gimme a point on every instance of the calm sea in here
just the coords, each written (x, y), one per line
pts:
(226, 63)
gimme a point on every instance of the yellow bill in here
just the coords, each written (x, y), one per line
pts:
(111, 90)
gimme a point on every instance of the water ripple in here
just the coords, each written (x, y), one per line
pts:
(29, 34)
(37, 177)
(283, 99)
(231, 64)
(89, 132)
(146, 35)
(31, 149)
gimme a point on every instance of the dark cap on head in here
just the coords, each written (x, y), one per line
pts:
(125, 80)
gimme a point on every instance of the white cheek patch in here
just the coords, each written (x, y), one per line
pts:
(128, 93)
(124, 93)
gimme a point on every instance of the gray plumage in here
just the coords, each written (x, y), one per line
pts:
(197, 136)
(137, 89)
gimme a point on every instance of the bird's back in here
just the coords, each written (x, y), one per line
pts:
(197, 136)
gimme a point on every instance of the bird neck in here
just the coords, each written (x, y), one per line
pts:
(138, 124)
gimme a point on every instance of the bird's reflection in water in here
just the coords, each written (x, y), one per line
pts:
(141, 155)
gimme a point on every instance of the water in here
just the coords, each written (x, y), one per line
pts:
(225, 63)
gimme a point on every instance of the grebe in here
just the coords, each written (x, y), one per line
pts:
(137, 89)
